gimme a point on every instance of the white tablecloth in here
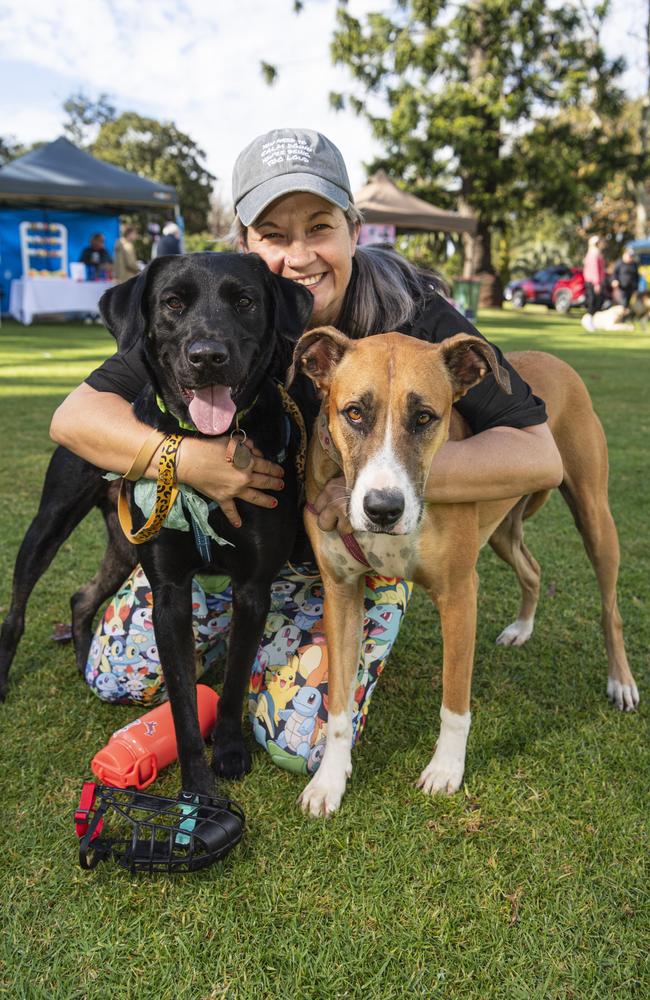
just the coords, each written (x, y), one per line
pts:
(30, 296)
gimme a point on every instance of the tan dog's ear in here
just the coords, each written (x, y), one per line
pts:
(317, 354)
(468, 360)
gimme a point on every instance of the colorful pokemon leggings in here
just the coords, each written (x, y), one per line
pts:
(287, 699)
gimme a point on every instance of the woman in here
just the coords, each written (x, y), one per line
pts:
(593, 268)
(126, 263)
(295, 209)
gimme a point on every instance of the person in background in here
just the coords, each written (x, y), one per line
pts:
(593, 268)
(96, 257)
(126, 263)
(170, 241)
(626, 277)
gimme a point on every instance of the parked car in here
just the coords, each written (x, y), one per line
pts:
(538, 288)
(569, 292)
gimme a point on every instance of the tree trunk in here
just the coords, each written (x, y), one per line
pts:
(641, 192)
(477, 262)
(478, 248)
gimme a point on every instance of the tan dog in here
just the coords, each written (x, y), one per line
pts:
(386, 410)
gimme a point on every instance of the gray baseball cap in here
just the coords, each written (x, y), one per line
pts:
(285, 161)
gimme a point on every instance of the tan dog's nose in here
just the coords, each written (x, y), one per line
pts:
(384, 507)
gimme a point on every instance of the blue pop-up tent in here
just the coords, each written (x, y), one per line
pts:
(59, 185)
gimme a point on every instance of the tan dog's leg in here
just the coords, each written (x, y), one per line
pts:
(343, 618)
(457, 607)
(508, 543)
(587, 499)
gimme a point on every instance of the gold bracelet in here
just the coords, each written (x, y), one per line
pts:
(144, 456)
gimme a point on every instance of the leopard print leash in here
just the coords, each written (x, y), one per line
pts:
(166, 493)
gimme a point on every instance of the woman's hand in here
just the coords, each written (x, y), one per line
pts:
(331, 505)
(202, 464)
(101, 427)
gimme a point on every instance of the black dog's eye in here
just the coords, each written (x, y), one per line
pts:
(174, 303)
(244, 302)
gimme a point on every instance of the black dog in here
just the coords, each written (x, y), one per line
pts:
(220, 320)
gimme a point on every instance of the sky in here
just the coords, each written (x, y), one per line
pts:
(196, 62)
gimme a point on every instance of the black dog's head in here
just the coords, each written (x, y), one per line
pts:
(211, 325)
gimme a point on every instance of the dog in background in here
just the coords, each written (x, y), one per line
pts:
(612, 320)
(387, 407)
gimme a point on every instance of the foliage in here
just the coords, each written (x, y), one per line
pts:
(469, 97)
(161, 151)
(530, 883)
(10, 149)
(269, 73)
(535, 241)
(86, 116)
(435, 251)
(205, 240)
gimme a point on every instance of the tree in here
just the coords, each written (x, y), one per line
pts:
(159, 150)
(469, 97)
(10, 149)
(86, 116)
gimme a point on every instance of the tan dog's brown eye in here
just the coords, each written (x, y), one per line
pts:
(424, 418)
(354, 414)
(173, 302)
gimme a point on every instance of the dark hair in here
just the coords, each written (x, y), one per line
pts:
(385, 291)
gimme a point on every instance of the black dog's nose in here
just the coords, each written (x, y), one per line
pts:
(384, 507)
(207, 352)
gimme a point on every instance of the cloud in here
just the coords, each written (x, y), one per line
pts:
(191, 61)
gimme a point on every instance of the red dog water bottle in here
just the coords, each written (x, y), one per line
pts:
(138, 751)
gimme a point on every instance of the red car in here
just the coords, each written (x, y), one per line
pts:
(570, 292)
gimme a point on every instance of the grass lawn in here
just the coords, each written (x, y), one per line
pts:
(532, 883)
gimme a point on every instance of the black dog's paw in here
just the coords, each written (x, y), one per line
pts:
(231, 759)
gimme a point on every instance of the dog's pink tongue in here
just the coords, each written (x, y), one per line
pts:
(212, 409)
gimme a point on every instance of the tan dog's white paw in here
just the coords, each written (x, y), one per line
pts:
(323, 794)
(441, 777)
(444, 772)
(624, 696)
(518, 633)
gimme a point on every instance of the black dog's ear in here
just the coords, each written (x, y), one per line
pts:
(468, 360)
(122, 308)
(293, 307)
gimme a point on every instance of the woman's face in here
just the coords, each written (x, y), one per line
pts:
(307, 239)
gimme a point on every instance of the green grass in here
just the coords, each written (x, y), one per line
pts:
(530, 884)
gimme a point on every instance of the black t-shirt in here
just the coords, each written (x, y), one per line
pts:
(486, 405)
(483, 407)
(93, 257)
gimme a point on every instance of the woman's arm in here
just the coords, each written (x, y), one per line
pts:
(102, 428)
(496, 464)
